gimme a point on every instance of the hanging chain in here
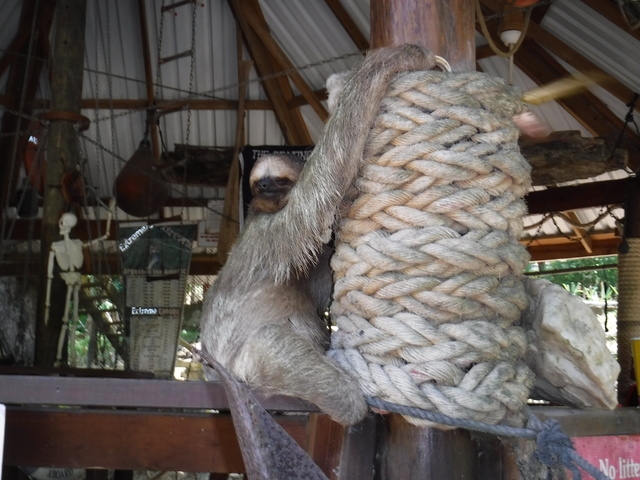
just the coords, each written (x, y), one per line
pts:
(159, 53)
(589, 227)
(194, 11)
(102, 164)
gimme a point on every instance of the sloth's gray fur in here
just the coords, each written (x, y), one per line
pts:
(260, 319)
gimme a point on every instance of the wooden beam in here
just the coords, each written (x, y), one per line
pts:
(539, 11)
(129, 439)
(586, 195)
(566, 156)
(533, 59)
(592, 422)
(581, 233)
(447, 29)
(147, 424)
(277, 88)
(588, 109)
(412, 452)
(325, 442)
(561, 247)
(611, 11)
(62, 145)
(130, 393)
(578, 61)
(348, 24)
(14, 49)
(148, 77)
(607, 9)
(262, 31)
(167, 106)
(230, 222)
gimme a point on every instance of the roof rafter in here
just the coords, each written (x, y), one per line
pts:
(277, 88)
(587, 108)
(568, 54)
(611, 12)
(262, 31)
(534, 59)
(348, 24)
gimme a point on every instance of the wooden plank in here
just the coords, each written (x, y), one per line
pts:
(343, 453)
(558, 248)
(408, 451)
(325, 439)
(129, 440)
(586, 195)
(130, 393)
(358, 454)
(230, 222)
(592, 422)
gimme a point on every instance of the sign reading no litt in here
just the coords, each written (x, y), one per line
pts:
(617, 457)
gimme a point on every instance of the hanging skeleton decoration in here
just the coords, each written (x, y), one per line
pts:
(67, 253)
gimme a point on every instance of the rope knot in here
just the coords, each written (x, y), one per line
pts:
(552, 444)
(555, 449)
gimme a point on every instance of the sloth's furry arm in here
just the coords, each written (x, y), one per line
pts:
(295, 235)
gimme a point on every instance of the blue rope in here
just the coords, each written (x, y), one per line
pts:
(554, 447)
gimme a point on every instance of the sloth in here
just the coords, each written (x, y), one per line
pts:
(270, 181)
(260, 319)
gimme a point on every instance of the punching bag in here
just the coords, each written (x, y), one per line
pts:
(140, 190)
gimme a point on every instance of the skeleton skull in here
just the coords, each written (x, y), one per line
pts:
(67, 222)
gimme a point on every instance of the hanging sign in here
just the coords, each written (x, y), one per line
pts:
(618, 457)
(155, 263)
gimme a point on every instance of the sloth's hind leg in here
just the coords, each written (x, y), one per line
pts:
(278, 359)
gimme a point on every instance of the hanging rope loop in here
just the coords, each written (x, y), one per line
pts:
(427, 264)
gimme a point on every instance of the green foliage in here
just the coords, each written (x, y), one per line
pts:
(589, 278)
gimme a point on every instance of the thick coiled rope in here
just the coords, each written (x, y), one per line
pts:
(427, 265)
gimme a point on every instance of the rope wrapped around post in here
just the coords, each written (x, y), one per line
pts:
(428, 287)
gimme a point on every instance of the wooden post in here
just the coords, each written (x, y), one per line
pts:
(62, 156)
(629, 291)
(447, 29)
